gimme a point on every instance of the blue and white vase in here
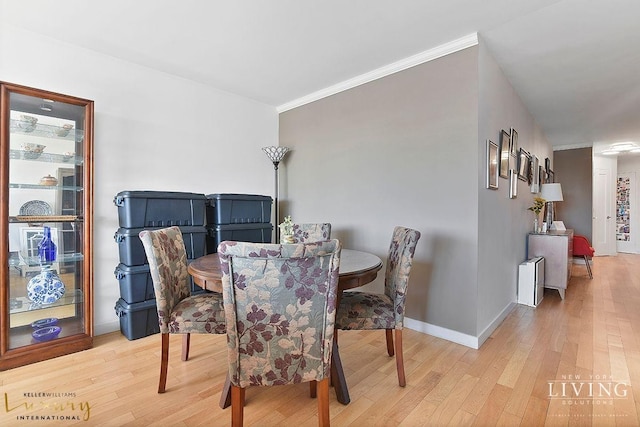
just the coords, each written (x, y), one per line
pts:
(46, 287)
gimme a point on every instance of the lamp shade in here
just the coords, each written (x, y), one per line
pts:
(551, 192)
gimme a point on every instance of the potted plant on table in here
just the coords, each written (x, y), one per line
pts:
(536, 208)
(286, 230)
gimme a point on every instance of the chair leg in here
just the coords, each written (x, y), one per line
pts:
(313, 389)
(237, 406)
(186, 340)
(389, 335)
(400, 359)
(164, 362)
(586, 260)
(323, 403)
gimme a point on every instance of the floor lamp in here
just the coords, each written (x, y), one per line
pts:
(275, 154)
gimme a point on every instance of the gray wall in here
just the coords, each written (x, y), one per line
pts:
(409, 149)
(574, 171)
(503, 222)
(400, 150)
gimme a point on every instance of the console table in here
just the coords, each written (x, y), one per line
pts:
(557, 249)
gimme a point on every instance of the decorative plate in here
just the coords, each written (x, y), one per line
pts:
(46, 334)
(43, 323)
(36, 207)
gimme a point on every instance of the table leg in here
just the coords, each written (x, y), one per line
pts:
(338, 379)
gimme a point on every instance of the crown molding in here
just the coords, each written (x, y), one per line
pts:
(412, 61)
(572, 146)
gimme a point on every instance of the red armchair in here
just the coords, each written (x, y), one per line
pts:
(582, 248)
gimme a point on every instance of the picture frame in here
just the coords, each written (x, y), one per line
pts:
(514, 141)
(523, 165)
(505, 150)
(513, 184)
(547, 164)
(513, 163)
(534, 180)
(550, 176)
(492, 165)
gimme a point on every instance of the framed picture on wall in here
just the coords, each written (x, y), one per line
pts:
(547, 164)
(505, 147)
(550, 177)
(514, 141)
(534, 175)
(513, 184)
(523, 165)
(492, 165)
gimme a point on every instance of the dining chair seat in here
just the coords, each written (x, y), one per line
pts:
(366, 311)
(198, 313)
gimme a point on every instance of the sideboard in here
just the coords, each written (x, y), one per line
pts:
(557, 249)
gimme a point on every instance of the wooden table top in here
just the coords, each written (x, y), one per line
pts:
(357, 268)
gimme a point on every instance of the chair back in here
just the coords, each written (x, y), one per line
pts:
(304, 233)
(399, 261)
(582, 247)
(167, 259)
(279, 303)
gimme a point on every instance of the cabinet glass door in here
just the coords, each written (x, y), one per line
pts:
(46, 290)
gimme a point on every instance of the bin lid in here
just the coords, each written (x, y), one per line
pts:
(158, 195)
(232, 196)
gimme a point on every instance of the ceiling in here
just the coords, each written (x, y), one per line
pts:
(574, 63)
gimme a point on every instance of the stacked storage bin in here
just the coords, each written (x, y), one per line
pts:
(240, 217)
(149, 210)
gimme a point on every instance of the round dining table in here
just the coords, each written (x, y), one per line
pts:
(357, 268)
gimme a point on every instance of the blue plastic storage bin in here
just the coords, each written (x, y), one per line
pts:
(238, 209)
(256, 233)
(137, 320)
(132, 252)
(160, 209)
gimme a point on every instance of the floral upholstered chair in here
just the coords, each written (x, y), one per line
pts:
(279, 302)
(303, 233)
(179, 312)
(364, 310)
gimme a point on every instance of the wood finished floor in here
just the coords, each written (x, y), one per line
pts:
(595, 332)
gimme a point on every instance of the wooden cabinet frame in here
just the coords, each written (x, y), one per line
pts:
(81, 336)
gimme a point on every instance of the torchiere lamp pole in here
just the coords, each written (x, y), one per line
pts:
(276, 154)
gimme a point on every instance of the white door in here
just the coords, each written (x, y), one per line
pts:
(604, 187)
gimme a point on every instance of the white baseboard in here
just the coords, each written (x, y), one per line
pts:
(105, 328)
(459, 337)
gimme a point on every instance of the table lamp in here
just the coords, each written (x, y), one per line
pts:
(551, 193)
(275, 154)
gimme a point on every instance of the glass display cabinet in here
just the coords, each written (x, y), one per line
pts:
(46, 225)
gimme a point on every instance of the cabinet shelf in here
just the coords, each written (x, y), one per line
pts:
(35, 261)
(45, 187)
(30, 219)
(45, 131)
(23, 304)
(26, 155)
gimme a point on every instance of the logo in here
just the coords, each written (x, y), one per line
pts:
(588, 389)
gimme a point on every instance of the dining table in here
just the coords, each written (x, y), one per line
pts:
(357, 268)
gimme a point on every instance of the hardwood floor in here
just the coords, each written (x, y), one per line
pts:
(590, 340)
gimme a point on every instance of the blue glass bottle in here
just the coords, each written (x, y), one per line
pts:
(46, 248)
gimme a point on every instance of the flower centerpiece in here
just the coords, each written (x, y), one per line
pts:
(286, 230)
(538, 205)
